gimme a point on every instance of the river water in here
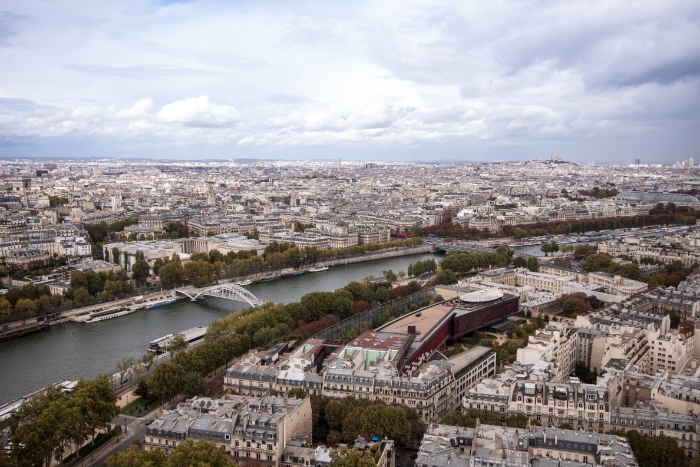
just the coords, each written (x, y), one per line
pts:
(71, 351)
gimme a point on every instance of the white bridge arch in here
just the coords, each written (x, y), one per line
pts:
(227, 291)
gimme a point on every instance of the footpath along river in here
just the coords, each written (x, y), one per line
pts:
(77, 350)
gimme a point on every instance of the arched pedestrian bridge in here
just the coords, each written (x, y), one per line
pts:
(227, 291)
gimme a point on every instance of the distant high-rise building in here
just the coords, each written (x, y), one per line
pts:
(691, 162)
(636, 161)
(339, 163)
(211, 198)
(117, 201)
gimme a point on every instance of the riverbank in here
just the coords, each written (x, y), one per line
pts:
(76, 350)
(150, 297)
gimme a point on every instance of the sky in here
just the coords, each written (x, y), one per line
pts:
(608, 81)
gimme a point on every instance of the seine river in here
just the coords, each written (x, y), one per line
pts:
(77, 350)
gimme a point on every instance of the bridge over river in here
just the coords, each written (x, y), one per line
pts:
(227, 291)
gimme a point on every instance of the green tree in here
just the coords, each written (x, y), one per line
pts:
(356, 289)
(5, 309)
(192, 384)
(390, 276)
(56, 300)
(142, 389)
(446, 277)
(519, 262)
(115, 255)
(165, 380)
(344, 457)
(516, 421)
(140, 271)
(533, 265)
(171, 274)
(124, 366)
(201, 272)
(334, 438)
(342, 307)
(25, 308)
(81, 296)
(675, 319)
(297, 393)
(78, 279)
(402, 274)
(147, 360)
(597, 262)
(94, 405)
(199, 454)
(177, 344)
(134, 457)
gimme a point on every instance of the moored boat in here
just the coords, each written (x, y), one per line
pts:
(109, 314)
(160, 303)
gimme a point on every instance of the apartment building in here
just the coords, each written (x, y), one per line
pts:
(670, 352)
(654, 420)
(586, 407)
(556, 344)
(540, 281)
(615, 284)
(498, 446)
(245, 428)
(368, 367)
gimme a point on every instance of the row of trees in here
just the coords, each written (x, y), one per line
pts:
(89, 286)
(531, 263)
(204, 268)
(670, 276)
(464, 263)
(185, 373)
(27, 301)
(188, 454)
(605, 223)
(468, 419)
(342, 420)
(600, 192)
(656, 451)
(421, 267)
(52, 422)
(98, 234)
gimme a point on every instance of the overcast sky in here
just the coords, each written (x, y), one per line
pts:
(605, 81)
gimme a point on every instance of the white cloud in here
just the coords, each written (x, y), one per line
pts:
(142, 108)
(198, 111)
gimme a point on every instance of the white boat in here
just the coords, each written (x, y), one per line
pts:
(243, 283)
(105, 315)
(191, 335)
(322, 268)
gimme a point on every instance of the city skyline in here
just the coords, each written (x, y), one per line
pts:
(419, 82)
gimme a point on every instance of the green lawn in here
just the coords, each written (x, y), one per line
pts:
(131, 408)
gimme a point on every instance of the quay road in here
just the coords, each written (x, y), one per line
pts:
(77, 350)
